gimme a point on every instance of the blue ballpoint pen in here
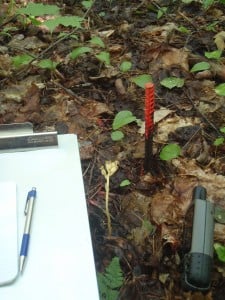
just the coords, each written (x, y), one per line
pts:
(26, 234)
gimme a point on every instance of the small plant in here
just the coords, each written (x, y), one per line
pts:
(220, 89)
(108, 170)
(97, 41)
(33, 10)
(214, 54)
(110, 281)
(201, 66)
(87, 4)
(220, 140)
(104, 57)
(161, 12)
(220, 251)
(21, 60)
(47, 64)
(121, 119)
(170, 151)
(125, 182)
(79, 51)
(125, 66)
(141, 80)
(172, 82)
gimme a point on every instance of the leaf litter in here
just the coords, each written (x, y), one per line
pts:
(84, 94)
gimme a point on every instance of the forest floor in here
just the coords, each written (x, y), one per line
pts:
(82, 95)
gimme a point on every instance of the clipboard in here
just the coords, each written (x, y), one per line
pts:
(60, 263)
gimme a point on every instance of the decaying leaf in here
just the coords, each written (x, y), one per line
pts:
(219, 39)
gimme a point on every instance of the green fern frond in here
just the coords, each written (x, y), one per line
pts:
(110, 281)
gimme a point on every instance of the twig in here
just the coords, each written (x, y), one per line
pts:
(203, 116)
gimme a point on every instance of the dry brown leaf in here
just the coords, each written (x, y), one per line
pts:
(93, 108)
(159, 115)
(120, 88)
(31, 100)
(219, 39)
(214, 184)
(176, 56)
(170, 124)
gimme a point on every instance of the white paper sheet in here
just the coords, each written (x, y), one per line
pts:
(8, 233)
(60, 262)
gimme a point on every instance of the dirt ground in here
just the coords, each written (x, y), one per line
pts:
(83, 96)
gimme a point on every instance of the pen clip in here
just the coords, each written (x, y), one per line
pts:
(30, 194)
(26, 205)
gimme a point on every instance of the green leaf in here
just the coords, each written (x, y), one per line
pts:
(171, 82)
(39, 9)
(123, 118)
(141, 80)
(104, 57)
(214, 54)
(87, 4)
(220, 89)
(207, 3)
(222, 129)
(73, 21)
(125, 182)
(201, 66)
(20, 60)
(220, 251)
(96, 40)
(219, 141)
(148, 226)
(161, 12)
(219, 214)
(117, 135)
(125, 66)
(183, 29)
(170, 151)
(47, 64)
(79, 51)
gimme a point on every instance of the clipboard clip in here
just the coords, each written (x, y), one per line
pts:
(20, 136)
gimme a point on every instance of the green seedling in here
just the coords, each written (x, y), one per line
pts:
(220, 89)
(141, 80)
(125, 182)
(21, 60)
(125, 66)
(66, 21)
(33, 10)
(104, 57)
(201, 66)
(220, 251)
(172, 82)
(220, 140)
(170, 151)
(39, 9)
(121, 119)
(87, 4)
(117, 135)
(214, 54)
(79, 51)
(161, 12)
(47, 64)
(96, 40)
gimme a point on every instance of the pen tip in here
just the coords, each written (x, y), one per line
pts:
(21, 265)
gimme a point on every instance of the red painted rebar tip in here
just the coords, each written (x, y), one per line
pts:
(149, 123)
(149, 85)
(149, 108)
